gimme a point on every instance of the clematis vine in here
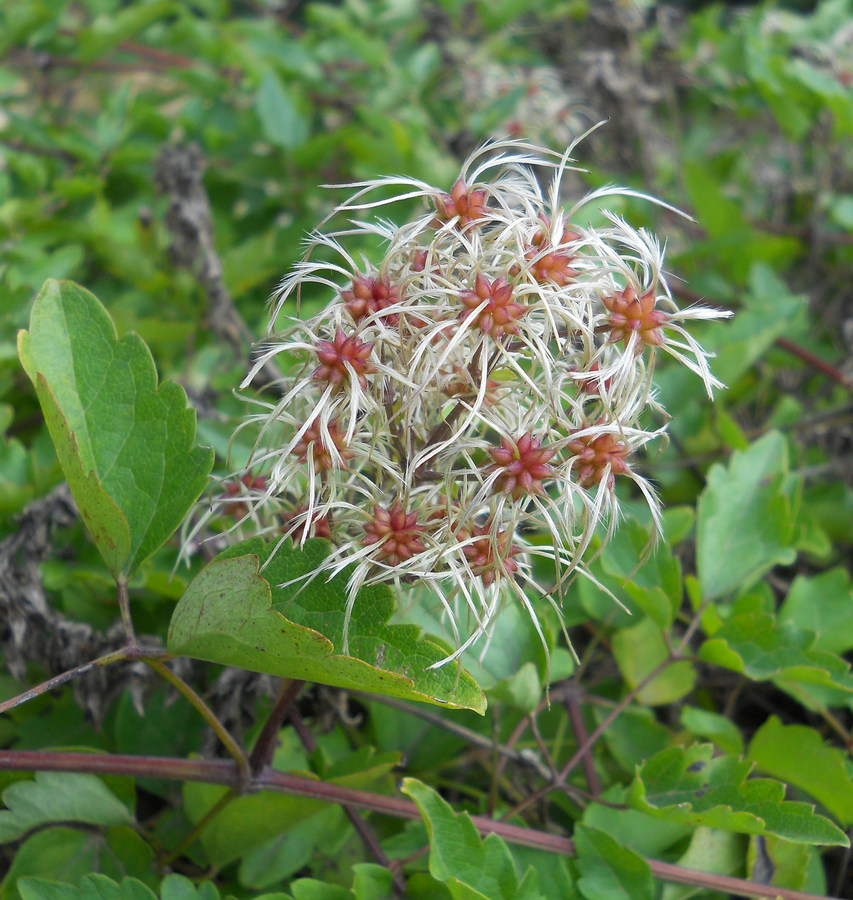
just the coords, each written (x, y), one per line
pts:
(487, 380)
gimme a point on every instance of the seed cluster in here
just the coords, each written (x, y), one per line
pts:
(489, 378)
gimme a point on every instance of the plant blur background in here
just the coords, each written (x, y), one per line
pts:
(168, 155)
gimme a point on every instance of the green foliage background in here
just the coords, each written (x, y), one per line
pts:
(730, 750)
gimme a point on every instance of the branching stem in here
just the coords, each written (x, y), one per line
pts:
(208, 715)
(226, 772)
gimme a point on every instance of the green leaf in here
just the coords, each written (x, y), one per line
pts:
(69, 855)
(745, 522)
(772, 860)
(471, 867)
(758, 646)
(609, 871)
(799, 756)
(59, 797)
(710, 850)
(694, 787)
(279, 858)
(92, 887)
(107, 31)
(233, 615)
(281, 121)
(249, 822)
(822, 604)
(768, 311)
(634, 830)
(314, 889)
(125, 444)
(100, 887)
(710, 725)
(371, 882)
(638, 651)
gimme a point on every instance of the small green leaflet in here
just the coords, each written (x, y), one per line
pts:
(125, 444)
(694, 787)
(472, 868)
(236, 613)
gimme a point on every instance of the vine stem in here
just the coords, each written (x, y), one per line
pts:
(228, 773)
(130, 653)
(199, 826)
(585, 747)
(208, 715)
(368, 838)
(124, 606)
(264, 748)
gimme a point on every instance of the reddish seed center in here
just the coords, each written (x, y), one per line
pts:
(368, 295)
(467, 205)
(312, 442)
(630, 314)
(491, 307)
(396, 534)
(595, 453)
(482, 556)
(522, 466)
(334, 356)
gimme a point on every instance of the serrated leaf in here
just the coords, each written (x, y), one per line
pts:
(609, 871)
(471, 867)
(755, 644)
(125, 444)
(694, 787)
(799, 756)
(59, 797)
(69, 855)
(100, 887)
(233, 614)
(745, 522)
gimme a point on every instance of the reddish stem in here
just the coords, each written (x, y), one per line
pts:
(226, 772)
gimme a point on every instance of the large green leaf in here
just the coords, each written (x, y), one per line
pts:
(125, 444)
(745, 520)
(233, 613)
(692, 786)
(471, 867)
